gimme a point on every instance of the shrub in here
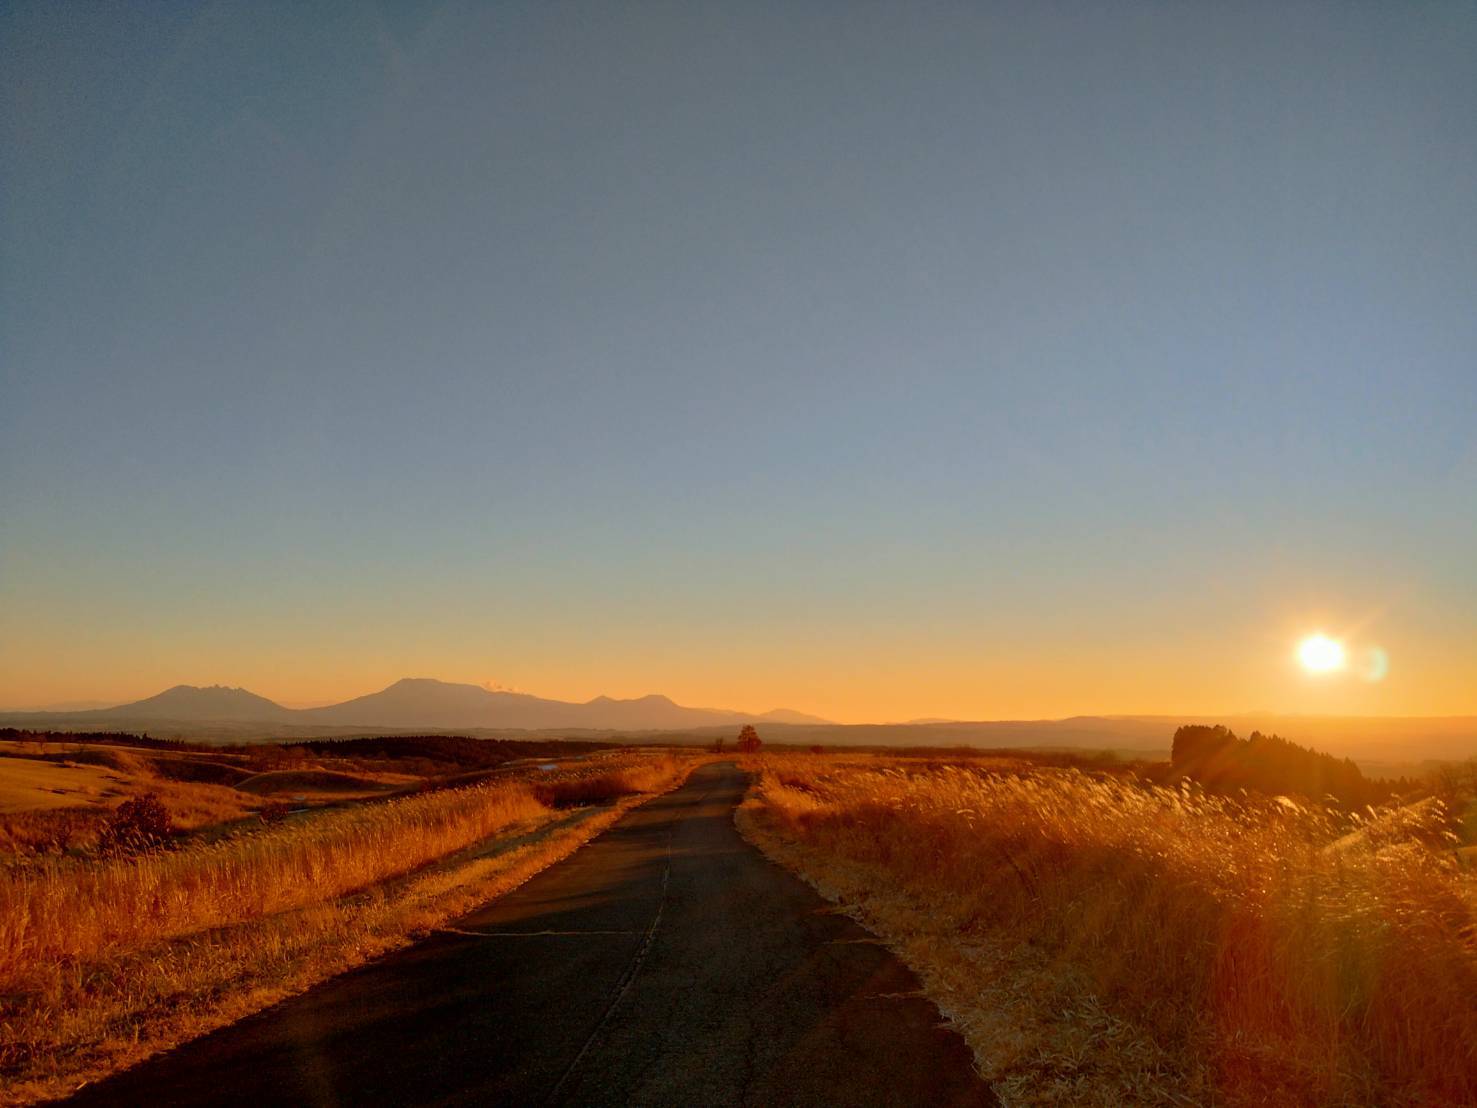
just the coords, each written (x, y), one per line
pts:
(136, 825)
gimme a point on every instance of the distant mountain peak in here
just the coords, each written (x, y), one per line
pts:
(414, 702)
(197, 702)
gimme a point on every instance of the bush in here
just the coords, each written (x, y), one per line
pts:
(136, 825)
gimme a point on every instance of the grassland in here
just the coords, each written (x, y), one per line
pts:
(58, 792)
(30, 784)
(1100, 940)
(104, 960)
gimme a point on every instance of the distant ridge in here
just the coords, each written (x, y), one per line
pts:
(425, 702)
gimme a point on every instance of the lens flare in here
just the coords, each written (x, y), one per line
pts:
(1321, 654)
(1374, 664)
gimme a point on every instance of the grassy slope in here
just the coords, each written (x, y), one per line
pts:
(27, 784)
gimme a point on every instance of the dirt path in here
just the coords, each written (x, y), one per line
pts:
(667, 962)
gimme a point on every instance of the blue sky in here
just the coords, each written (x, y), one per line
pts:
(877, 360)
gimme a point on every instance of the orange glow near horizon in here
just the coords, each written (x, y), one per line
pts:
(889, 675)
(880, 377)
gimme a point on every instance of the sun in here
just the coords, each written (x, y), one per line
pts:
(1321, 654)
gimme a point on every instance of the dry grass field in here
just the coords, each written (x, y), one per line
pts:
(105, 959)
(1100, 940)
(56, 797)
(57, 794)
(29, 784)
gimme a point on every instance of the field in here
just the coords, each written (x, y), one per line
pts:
(57, 792)
(29, 784)
(1102, 940)
(110, 954)
(1101, 932)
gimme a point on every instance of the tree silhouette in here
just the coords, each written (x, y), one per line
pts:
(1219, 760)
(748, 740)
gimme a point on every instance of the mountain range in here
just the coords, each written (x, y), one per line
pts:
(418, 703)
(436, 705)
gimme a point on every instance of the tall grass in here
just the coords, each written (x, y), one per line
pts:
(597, 784)
(1270, 948)
(104, 960)
(67, 909)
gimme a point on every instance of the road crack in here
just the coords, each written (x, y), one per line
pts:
(623, 986)
(519, 934)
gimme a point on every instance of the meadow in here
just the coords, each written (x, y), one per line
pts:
(1100, 939)
(108, 956)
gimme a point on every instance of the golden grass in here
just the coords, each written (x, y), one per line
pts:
(47, 806)
(103, 962)
(1103, 941)
(29, 784)
(596, 782)
(192, 804)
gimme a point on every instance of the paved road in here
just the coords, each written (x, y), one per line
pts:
(666, 962)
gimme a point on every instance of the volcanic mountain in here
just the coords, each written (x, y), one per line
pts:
(192, 703)
(436, 705)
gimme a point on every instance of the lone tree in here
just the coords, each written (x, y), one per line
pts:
(748, 740)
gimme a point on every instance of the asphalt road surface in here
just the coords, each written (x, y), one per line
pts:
(666, 962)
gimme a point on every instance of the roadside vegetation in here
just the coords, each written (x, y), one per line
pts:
(1100, 939)
(145, 937)
(58, 791)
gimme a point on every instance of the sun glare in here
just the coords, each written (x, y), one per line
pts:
(1321, 654)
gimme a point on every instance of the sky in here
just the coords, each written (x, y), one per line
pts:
(880, 361)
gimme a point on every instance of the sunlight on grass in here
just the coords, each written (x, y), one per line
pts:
(106, 960)
(1093, 936)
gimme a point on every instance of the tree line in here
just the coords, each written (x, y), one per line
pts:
(1219, 760)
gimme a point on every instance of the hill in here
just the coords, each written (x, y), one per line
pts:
(1216, 758)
